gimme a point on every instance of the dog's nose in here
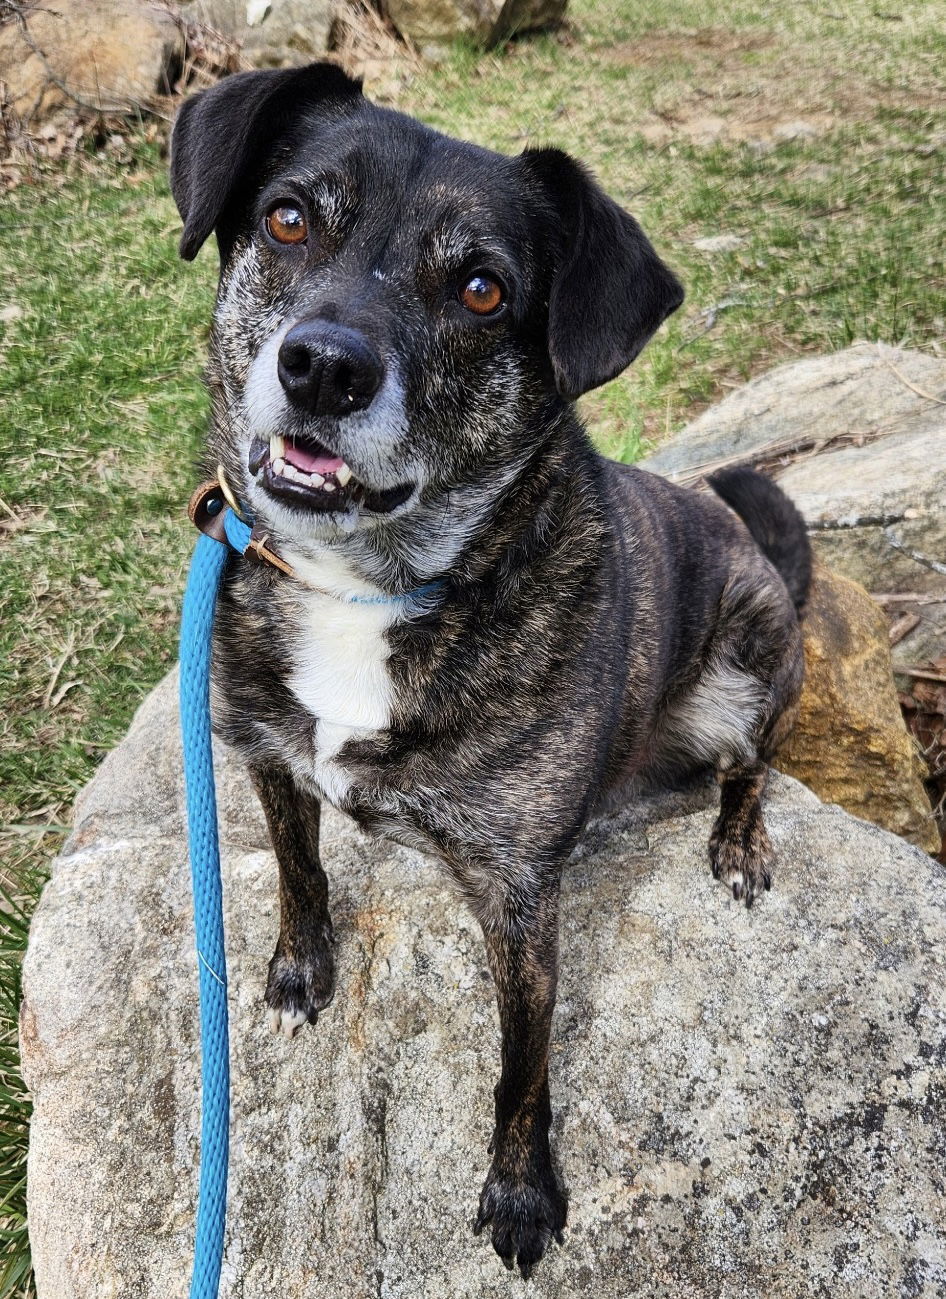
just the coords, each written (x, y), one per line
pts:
(329, 369)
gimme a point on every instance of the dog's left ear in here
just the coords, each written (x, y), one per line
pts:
(610, 290)
(222, 133)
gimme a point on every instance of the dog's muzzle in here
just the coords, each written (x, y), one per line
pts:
(330, 376)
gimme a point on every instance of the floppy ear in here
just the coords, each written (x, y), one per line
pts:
(610, 290)
(221, 133)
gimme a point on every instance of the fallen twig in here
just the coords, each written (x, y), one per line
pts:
(60, 664)
(927, 396)
(774, 450)
(902, 625)
(908, 597)
(924, 674)
(917, 556)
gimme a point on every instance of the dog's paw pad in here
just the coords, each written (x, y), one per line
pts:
(525, 1218)
(744, 865)
(297, 990)
(286, 1022)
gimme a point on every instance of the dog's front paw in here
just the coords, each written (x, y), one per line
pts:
(743, 860)
(526, 1213)
(297, 989)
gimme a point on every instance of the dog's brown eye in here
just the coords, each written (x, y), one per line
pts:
(287, 225)
(481, 295)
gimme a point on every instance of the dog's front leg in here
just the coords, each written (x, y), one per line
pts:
(521, 1197)
(302, 972)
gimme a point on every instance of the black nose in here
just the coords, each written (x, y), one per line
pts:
(328, 369)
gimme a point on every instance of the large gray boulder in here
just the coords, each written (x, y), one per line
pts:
(858, 440)
(748, 1103)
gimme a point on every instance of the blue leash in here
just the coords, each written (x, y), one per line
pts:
(209, 511)
(196, 626)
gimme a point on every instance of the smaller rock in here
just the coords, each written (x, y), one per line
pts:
(795, 131)
(850, 744)
(927, 640)
(819, 172)
(270, 33)
(720, 243)
(706, 129)
(432, 24)
(111, 55)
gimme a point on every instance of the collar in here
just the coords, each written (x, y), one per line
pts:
(215, 511)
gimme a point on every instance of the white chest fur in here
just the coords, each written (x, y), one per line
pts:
(340, 671)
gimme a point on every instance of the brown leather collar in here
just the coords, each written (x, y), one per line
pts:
(207, 510)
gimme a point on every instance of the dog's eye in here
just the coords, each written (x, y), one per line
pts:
(287, 225)
(481, 295)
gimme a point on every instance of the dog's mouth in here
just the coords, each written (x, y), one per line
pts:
(307, 474)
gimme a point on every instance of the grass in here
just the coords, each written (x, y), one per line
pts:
(15, 1108)
(102, 333)
(101, 412)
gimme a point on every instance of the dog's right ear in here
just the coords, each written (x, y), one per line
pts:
(221, 133)
(610, 291)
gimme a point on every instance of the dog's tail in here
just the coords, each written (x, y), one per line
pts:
(774, 522)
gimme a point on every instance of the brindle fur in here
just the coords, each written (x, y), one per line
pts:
(596, 627)
(302, 971)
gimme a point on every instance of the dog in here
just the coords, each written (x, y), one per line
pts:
(490, 632)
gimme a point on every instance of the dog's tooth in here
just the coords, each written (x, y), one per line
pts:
(343, 475)
(291, 472)
(317, 480)
(328, 487)
(277, 448)
(278, 465)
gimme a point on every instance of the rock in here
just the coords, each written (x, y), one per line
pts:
(870, 426)
(795, 131)
(113, 55)
(527, 15)
(927, 641)
(719, 243)
(747, 1102)
(430, 24)
(850, 744)
(271, 33)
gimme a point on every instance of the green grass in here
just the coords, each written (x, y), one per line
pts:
(15, 1108)
(101, 407)
(100, 413)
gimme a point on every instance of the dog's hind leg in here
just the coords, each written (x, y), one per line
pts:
(521, 1197)
(302, 972)
(740, 851)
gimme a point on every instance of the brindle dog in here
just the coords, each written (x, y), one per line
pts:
(491, 631)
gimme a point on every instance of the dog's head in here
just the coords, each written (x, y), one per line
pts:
(400, 314)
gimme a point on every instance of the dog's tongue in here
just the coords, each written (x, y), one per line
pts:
(312, 462)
